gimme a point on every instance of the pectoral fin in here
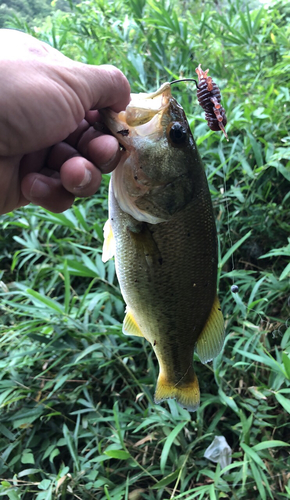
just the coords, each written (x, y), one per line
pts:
(146, 247)
(109, 242)
(130, 326)
(211, 339)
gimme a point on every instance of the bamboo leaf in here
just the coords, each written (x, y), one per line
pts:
(168, 443)
(251, 453)
(166, 480)
(269, 444)
(42, 300)
(283, 401)
(118, 454)
(230, 252)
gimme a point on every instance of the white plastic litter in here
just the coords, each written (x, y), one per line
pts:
(219, 452)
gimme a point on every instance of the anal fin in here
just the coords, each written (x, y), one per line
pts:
(211, 339)
(130, 325)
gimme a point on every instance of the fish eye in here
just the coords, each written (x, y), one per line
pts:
(177, 133)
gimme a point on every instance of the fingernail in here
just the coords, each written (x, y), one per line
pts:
(106, 167)
(39, 189)
(86, 180)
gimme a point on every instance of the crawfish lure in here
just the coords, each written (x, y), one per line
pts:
(209, 98)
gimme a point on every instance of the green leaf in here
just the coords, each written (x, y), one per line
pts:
(5, 484)
(12, 495)
(71, 446)
(228, 401)
(67, 288)
(45, 301)
(230, 252)
(168, 443)
(166, 480)
(251, 453)
(258, 480)
(60, 381)
(212, 495)
(285, 273)
(54, 454)
(283, 401)
(286, 363)
(27, 458)
(65, 219)
(286, 339)
(269, 444)
(264, 359)
(45, 495)
(118, 454)
(44, 484)
(4, 396)
(88, 350)
(28, 472)
(256, 146)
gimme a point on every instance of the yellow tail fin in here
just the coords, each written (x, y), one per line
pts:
(187, 395)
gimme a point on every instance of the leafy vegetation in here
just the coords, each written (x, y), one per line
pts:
(77, 417)
(29, 11)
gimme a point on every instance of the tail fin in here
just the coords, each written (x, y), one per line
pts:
(187, 395)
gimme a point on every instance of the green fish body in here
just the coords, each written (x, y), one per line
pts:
(162, 232)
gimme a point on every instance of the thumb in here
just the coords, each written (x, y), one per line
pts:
(103, 86)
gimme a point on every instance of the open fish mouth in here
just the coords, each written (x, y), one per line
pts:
(143, 116)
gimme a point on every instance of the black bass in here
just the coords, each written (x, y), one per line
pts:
(162, 232)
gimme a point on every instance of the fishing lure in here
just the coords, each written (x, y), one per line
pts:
(209, 98)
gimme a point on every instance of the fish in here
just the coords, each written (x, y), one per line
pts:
(161, 230)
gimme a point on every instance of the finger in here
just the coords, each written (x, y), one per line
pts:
(80, 177)
(92, 116)
(48, 192)
(101, 150)
(106, 86)
(33, 162)
(74, 138)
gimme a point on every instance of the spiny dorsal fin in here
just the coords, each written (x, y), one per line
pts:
(211, 339)
(130, 326)
(109, 242)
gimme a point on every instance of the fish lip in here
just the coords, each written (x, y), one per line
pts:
(116, 126)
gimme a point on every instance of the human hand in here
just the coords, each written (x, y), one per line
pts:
(49, 150)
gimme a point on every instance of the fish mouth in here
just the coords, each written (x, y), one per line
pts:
(143, 183)
(143, 116)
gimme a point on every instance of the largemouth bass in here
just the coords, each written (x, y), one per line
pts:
(162, 232)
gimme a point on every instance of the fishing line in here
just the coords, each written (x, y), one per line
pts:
(185, 80)
(234, 288)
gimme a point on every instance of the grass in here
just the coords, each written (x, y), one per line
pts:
(77, 418)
